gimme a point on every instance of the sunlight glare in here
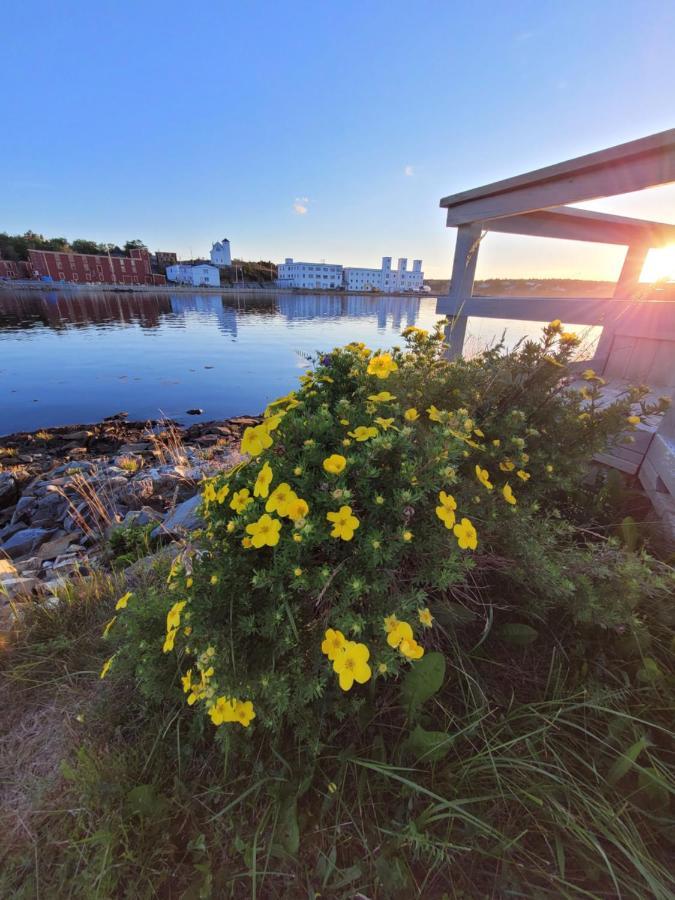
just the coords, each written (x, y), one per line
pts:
(659, 265)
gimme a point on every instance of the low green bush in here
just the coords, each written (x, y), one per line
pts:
(389, 488)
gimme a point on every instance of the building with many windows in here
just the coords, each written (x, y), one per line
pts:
(90, 268)
(309, 275)
(326, 275)
(386, 279)
(198, 276)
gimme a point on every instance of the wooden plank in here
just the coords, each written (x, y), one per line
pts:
(569, 223)
(615, 462)
(637, 318)
(627, 167)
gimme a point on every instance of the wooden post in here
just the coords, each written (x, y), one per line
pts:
(624, 289)
(461, 284)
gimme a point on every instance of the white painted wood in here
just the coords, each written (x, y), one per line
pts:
(629, 280)
(569, 223)
(617, 170)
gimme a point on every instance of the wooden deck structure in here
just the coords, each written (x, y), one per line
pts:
(637, 343)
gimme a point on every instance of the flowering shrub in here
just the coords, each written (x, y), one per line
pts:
(384, 489)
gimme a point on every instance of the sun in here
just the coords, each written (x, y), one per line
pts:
(659, 265)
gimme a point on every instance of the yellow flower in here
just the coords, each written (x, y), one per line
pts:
(407, 536)
(525, 476)
(255, 440)
(186, 681)
(296, 508)
(222, 493)
(555, 325)
(334, 464)
(390, 622)
(333, 643)
(568, 337)
(246, 543)
(381, 365)
(478, 433)
(279, 499)
(363, 433)
(411, 415)
(209, 492)
(173, 616)
(169, 640)
(633, 420)
(297, 538)
(549, 468)
(508, 495)
(261, 488)
(496, 443)
(273, 422)
(346, 442)
(382, 668)
(411, 649)
(223, 710)
(297, 470)
(400, 631)
(468, 425)
(240, 500)
(214, 579)
(436, 415)
(264, 532)
(344, 421)
(382, 397)
(297, 571)
(466, 535)
(352, 665)
(122, 602)
(244, 712)
(425, 617)
(588, 374)
(344, 523)
(507, 465)
(106, 666)
(188, 582)
(385, 424)
(446, 511)
(108, 626)
(484, 477)
(229, 527)
(379, 500)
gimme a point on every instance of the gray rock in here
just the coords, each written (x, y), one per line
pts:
(141, 517)
(8, 531)
(183, 519)
(56, 546)
(9, 490)
(25, 541)
(75, 464)
(24, 508)
(17, 587)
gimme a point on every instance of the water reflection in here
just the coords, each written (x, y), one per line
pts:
(76, 357)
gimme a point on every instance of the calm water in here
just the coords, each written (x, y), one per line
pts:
(70, 358)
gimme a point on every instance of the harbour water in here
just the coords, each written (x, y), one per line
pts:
(76, 357)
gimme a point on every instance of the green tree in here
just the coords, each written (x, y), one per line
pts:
(81, 245)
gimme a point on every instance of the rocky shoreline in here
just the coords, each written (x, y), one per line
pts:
(64, 492)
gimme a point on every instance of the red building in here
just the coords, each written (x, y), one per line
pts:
(90, 268)
(11, 269)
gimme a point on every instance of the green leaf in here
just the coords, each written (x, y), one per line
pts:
(653, 789)
(518, 633)
(621, 766)
(428, 746)
(629, 534)
(650, 672)
(288, 830)
(146, 801)
(423, 680)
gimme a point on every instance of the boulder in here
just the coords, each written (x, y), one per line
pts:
(25, 541)
(9, 490)
(56, 546)
(183, 519)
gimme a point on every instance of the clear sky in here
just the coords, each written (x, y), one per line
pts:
(319, 130)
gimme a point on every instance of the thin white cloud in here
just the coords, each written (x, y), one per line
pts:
(301, 206)
(409, 171)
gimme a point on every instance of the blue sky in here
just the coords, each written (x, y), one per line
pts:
(319, 130)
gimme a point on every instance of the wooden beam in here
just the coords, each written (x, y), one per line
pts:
(618, 170)
(629, 279)
(646, 318)
(569, 223)
(464, 263)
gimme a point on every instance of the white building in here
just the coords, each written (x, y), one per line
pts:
(220, 253)
(309, 275)
(386, 279)
(198, 276)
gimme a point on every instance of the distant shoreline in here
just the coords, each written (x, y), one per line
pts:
(76, 288)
